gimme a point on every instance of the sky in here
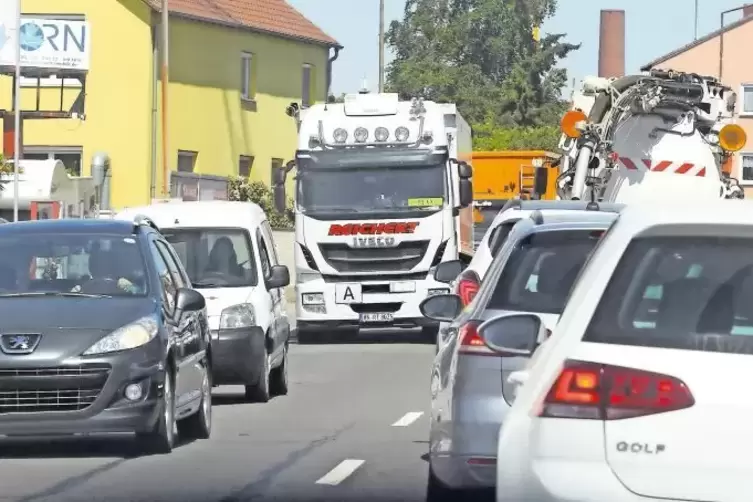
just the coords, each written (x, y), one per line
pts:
(653, 28)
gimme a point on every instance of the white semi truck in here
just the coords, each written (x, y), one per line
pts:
(383, 195)
(659, 136)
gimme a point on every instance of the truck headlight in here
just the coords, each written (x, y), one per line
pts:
(238, 316)
(128, 337)
(312, 298)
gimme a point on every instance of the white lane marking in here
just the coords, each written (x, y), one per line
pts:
(340, 473)
(408, 419)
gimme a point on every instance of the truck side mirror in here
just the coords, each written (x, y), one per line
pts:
(278, 176)
(541, 180)
(280, 199)
(465, 171)
(466, 192)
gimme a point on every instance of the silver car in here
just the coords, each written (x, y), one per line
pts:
(533, 273)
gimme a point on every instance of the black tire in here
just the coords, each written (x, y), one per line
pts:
(162, 439)
(278, 380)
(199, 425)
(436, 491)
(308, 336)
(260, 391)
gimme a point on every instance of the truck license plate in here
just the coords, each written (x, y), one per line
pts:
(378, 317)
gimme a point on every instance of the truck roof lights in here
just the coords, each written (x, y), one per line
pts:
(571, 123)
(381, 134)
(402, 134)
(732, 138)
(341, 135)
(361, 134)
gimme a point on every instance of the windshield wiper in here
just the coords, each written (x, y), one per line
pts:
(207, 284)
(64, 294)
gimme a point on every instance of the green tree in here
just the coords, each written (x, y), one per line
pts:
(242, 189)
(482, 55)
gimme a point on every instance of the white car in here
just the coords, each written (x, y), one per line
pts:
(643, 390)
(229, 253)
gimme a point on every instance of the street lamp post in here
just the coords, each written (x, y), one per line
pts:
(17, 112)
(381, 46)
(165, 77)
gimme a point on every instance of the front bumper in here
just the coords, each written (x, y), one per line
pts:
(375, 297)
(236, 354)
(82, 394)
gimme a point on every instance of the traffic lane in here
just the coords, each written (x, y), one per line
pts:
(342, 402)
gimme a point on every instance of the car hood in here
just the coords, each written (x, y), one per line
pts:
(36, 314)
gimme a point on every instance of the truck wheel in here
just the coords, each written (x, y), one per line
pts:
(431, 334)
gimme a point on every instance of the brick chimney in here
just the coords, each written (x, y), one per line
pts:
(612, 43)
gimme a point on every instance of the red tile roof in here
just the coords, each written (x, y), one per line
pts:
(268, 16)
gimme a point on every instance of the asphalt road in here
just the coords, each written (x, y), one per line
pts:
(352, 428)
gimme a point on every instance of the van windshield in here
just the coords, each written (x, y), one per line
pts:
(215, 257)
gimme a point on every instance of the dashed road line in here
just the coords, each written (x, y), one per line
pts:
(340, 473)
(408, 419)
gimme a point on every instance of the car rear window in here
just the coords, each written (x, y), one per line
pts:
(542, 270)
(498, 236)
(692, 293)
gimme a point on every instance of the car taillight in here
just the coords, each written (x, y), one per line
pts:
(471, 342)
(603, 392)
(467, 286)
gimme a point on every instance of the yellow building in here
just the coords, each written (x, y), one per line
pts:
(235, 66)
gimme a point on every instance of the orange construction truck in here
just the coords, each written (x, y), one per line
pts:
(511, 174)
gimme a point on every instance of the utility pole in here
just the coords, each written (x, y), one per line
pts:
(695, 36)
(165, 77)
(381, 46)
(17, 112)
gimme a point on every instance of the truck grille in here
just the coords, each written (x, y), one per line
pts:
(64, 388)
(400, 258)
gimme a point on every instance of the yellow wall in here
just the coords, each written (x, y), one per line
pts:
(206, 113)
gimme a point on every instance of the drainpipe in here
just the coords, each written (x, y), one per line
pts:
(155, 122)
(329, 67)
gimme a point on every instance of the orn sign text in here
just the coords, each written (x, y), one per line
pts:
(48, 43)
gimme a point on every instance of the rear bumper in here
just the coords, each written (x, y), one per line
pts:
(236, 354)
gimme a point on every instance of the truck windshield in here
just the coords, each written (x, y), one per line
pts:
(372, 189)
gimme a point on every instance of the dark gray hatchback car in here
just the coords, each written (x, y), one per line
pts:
(101, 333)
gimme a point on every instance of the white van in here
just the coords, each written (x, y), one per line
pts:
(230, 256)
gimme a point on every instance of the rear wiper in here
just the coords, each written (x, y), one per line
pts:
(52, 293)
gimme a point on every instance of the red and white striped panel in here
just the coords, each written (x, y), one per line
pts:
(663, 166)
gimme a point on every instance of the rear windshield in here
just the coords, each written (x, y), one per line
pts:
(542, 270)
(692, 293)
(499, 235)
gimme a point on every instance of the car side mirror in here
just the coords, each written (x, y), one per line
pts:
(448, 271)
(188, 300)
(279, 277)
(466, 192)
(512, 334)
(442, 308)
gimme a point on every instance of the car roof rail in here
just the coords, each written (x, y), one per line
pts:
(142, 220)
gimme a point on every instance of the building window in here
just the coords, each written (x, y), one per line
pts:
(307, 85)
(245, 163)
(248, 92)
(70, 156)
(746, 168)
(276, 164)
(746, 107)
(186, 161)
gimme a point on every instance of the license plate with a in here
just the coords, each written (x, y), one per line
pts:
(377, 317)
